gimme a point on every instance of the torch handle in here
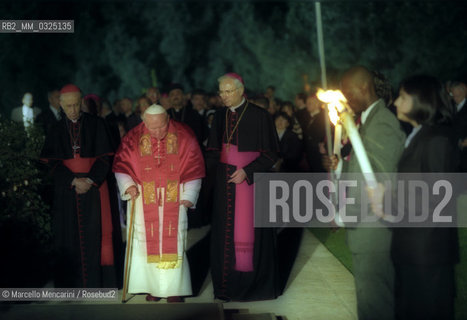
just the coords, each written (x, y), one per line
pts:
(359, 149)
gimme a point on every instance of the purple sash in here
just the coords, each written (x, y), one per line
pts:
(244, 233)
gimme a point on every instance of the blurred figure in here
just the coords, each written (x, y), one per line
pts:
(165, 101)
(302, 115)
(199, 101)
(91, 104)
(383, 88)
(300, 101)
(289, 144)
(458, 91)
(181, 112)
(141, 105)
(263, 102)
(289, 109)
(52, 114)
(314, 132)
(214, 101)
(153, 94)
(26, 114)
(270, 92)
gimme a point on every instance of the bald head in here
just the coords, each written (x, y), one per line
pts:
(358, 87)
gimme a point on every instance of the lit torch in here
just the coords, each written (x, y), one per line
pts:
(340, 110)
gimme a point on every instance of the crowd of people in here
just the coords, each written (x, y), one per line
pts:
(167, 161)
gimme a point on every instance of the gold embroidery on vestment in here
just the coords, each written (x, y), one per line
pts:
(145, 148)
(172, 143)
(149, 192)
(172, 191)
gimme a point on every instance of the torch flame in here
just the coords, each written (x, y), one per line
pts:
(335, 101)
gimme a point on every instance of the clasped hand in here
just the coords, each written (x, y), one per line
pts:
(82, 185)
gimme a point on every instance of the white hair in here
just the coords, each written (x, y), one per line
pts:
(237, 82)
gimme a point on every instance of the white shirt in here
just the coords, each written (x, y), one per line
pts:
(280, 134)
(28, 116)
(55, 112)
(460, 105)
(234, 108)
(367, 111)
(412, 135)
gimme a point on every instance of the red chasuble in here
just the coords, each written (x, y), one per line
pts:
(159, 165)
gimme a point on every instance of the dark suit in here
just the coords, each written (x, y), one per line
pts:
(313, 133)
(46, 120)
(424, 257)
(290, 151)
(193, 119)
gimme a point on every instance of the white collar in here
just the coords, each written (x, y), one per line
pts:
(55, 112)
(460, 105)
(234, 108)
(368, 110)
(414, 132)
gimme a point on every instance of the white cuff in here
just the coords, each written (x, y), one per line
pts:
(191, 191)
(124, 181)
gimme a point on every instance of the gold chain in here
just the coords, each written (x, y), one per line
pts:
(236, 125)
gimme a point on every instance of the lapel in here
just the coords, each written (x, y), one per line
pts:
(412, 147)
(364, 127)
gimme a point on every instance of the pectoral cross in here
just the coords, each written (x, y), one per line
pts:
(75, 150)
(170, 228)
(158, 159)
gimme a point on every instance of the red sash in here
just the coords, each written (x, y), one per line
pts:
(160, 171)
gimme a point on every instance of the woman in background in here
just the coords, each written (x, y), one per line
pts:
(424, 258)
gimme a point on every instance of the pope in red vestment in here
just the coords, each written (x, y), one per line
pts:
(159, 165)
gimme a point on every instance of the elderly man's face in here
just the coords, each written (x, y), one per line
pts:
(157, 125)
(28, 100)
(231, 95)
(71, 104)
(176, 98)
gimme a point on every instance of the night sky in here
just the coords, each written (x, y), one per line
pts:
(120, 48)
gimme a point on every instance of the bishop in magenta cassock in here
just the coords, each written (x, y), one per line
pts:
(244, 141)
(78, 150)
(159, 166)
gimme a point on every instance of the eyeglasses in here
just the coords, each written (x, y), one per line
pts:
(226, 92)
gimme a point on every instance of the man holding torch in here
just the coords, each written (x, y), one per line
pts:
(383, 141)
